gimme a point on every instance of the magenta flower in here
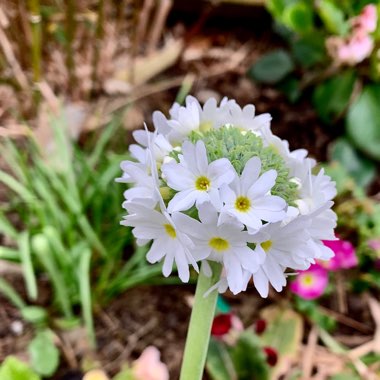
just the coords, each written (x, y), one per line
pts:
(366, 21)
(311, 283)
(345, 255)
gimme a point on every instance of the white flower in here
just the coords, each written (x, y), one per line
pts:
(315, 191)
(226, 243)
(247, 198)
(195, 179)
(283, 247)
(170, 242)
(245, 118)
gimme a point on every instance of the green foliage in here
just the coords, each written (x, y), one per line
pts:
(68, 207)
(363, 121)
(245, 360)
(239, 147)
(272, 67)
(298, 16)
(219, 364)
(43, 353)
(331, 97)
(332, 16)
(14, 369)
(249, 359)
(309, 50)
(360, 168)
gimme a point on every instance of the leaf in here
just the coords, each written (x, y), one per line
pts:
(309, 50)
(44, 354)
(331, 97)
(284, 333)
(361, 169)
(34, 314)
(299, 17)
(249, 358)
(363, 121)
(27, 265)
(290, 87)
(333, 17)
(14, 369)
(219, 364)
(272, 67)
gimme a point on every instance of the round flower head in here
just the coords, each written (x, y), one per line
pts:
(213, 184)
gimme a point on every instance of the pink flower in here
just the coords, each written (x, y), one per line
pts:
(311, 283)
(366, 21)
(374, 244)
(350, 51)
(149, 367)
(345, 255)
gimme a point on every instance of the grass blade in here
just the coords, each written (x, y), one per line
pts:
(9, 292)
(85, 293)
(27, 266)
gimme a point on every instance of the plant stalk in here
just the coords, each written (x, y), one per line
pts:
(198, 335)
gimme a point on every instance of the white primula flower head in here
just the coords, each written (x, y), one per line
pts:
(212, 184)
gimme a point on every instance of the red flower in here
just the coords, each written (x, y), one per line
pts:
(260, 326)
(221, 325)
(271, 356)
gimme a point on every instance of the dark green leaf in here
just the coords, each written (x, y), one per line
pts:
(272, 67)
(44, 354)
(309, 50)
(14, 369)
(219, 364)
(361, 169)
(290, 87)
(249, 358)
(363, 121)
(331, 97)
(299, 17)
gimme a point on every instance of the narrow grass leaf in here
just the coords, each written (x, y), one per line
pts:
(27, 266)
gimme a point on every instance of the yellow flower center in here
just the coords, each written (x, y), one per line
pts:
(170, 231)
(205, 126)
(242, 204)
(202, 183)
(219, 244)
(307, 280)
(266, 245)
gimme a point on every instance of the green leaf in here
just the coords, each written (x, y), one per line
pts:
(272, 67)
(14, 369)
(363, 121)
(284, 333)
(44, 354)
(309, 50)
(332, 17)
(331, 97)
(290, 87)
(34, 314)
(249, 358)
(27, 265)
(361, 169)
(219, 364)
(8, 291)
(299, 17)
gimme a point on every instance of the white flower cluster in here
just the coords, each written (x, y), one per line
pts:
(213, 184)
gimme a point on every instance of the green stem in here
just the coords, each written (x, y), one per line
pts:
(198, 335)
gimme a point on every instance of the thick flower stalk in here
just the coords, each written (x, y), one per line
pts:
(213, 185)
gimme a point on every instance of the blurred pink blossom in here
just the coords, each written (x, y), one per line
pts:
(149, 367)
(311, 283)
(350, 51)
(345, 255)
(374, 244)
(366, 21)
